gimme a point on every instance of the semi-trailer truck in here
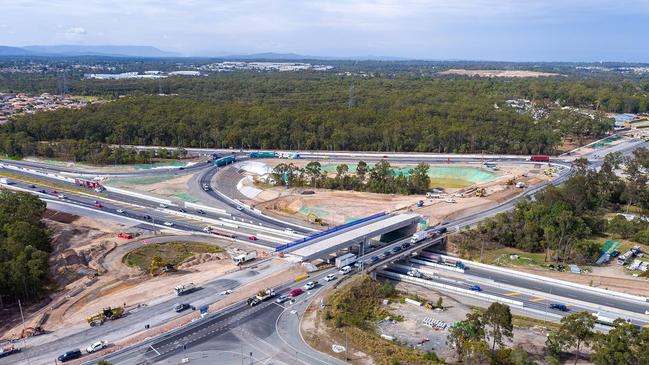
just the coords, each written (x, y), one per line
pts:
(429, 233)
(346, 260)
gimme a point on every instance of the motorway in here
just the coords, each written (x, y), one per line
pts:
(221, 331)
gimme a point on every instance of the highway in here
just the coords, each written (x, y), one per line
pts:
(220, 328)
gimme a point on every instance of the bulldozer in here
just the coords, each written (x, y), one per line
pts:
(106, 314)
(481, 192)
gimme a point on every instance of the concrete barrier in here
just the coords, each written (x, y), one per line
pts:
(438, 266)
(449, 288)
(206, 208)
(139, 195)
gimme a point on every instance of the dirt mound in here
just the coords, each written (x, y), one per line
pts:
(201, 258)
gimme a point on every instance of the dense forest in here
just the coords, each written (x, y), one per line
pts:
(562, 219)
(326, 112)
(24, 246)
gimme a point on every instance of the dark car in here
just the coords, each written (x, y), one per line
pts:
(70, 355)
(182, 210)
(200, 211)
(181, 307)
(147, 217)
(396, 249)
(405, 245)
(475, 288)
(559, 306)
(374, 259)
(32, 186)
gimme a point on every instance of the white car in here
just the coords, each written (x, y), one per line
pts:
(162, 205)
(239, 207)
(288, 230)
(345, 270)
(169, 224)
(120, 211)
(226, 292)
(330, 277)
(99, 345)
(310, 285)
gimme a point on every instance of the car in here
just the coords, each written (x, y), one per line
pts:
(99, 345)
(200, 211)
(310, 285)
(182, 210)
(396, 249)
(226, 292)
(405, 245)
(239, 207)
(61, 196)
(374, 259)
(32, 186)
(169, 224)
(282, 298)
(288, 230)
(345, 270)
(559, 306)
(147, 217)
(295, 292)
(42, 191)
(252, 238)
(120, 211)
(330, 277)
(98, 205)
(475, 288)
(69, 355)
(162, 205)
(180, 307)
(385, 254)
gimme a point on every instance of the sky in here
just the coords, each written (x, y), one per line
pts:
(507, 30)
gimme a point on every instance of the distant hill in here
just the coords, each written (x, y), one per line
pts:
(117, 51)
(14, 51)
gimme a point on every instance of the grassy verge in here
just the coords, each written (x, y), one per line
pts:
(524, 322)
(174, 253)
(47, 183)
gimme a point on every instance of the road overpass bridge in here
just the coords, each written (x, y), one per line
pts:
(354, 233)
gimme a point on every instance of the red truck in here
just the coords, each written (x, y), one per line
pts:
(126, 236)
(540, 158)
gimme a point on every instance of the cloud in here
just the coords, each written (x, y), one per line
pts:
(75, 33)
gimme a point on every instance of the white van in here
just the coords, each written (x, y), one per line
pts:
(345, 270)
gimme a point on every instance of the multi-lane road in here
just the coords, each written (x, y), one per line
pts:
(216, 337)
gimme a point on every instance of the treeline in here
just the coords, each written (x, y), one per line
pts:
(380, 178)
(95, 153)
(455, 120)
(561, 219)
(24, 246)
(479, 339)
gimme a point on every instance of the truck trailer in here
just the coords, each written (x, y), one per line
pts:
(183, 289)
(346, 260)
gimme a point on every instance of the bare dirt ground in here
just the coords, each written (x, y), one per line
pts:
(337, 207)
(497, 73)
(169, 186)
(88, 270)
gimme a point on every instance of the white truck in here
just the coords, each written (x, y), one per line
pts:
(244, 257)
(420, 236)
(346, 260)
(183, 289)
(261, 296)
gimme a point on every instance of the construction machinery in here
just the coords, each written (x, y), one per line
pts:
(105, 315)
(481, 192)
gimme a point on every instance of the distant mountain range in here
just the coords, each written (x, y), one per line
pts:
(80, 50)
(153, 52)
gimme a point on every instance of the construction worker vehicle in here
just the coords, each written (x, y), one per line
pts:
(261, 296)
(105, 315)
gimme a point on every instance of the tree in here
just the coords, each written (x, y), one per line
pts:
(497, 321)
(623, 345)
(314, 171)
(156, 264)
(361, 170)
(419, 179)
(576, 330)
(462, 333)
